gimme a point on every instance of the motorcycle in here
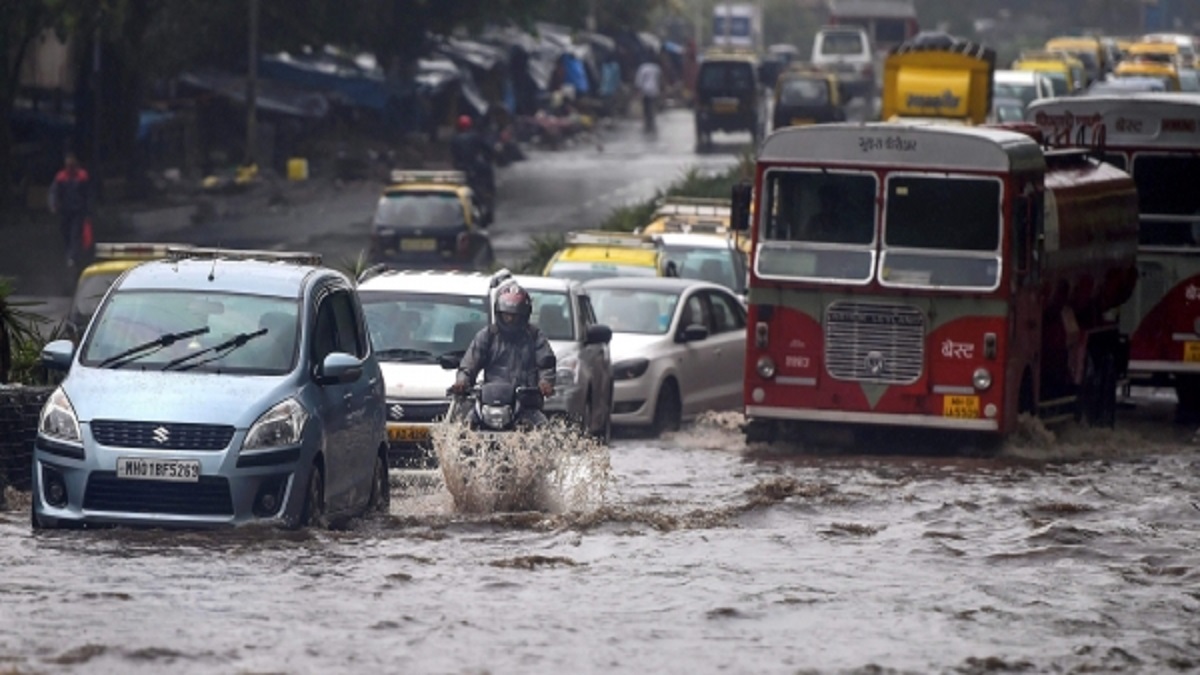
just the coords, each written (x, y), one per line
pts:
(489, 464)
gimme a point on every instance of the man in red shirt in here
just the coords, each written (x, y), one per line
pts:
(70, 199)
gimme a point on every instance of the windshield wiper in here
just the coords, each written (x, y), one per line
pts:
(138, 351)
(221, 350)
(404, 354)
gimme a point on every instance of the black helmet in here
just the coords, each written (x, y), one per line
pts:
(515, 301)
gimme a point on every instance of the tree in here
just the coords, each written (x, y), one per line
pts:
(21, 22)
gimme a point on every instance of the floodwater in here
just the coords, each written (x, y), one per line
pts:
(1071, 552)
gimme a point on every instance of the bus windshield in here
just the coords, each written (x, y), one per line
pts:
(817, 225)
(941, 231)
(1169, 207)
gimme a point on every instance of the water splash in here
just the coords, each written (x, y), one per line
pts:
(553, 468)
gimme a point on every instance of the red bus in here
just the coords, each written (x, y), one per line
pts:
(1156, 138)
(932, 276)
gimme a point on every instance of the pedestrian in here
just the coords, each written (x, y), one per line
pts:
(648, 81)
(70, 200)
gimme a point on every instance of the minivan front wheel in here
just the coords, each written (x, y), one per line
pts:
(313, 513)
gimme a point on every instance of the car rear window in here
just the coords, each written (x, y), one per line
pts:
(842, 43)
(804, 92)
(716, 76)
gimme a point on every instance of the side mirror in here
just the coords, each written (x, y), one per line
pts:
(339, 368)
(57, 355)
(450, 360)
(739, 207)
(694, 333)
(598, 334)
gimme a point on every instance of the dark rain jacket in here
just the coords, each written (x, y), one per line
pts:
(508, 358)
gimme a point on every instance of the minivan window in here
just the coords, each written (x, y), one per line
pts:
(842, 44)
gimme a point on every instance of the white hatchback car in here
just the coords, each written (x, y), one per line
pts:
(678, 348)
(417, 320)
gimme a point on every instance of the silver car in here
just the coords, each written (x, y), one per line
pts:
(217, 388)
(678, 348)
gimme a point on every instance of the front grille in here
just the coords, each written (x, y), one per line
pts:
(162, 436)
(416, 411)
(874, 342)
(208, 497)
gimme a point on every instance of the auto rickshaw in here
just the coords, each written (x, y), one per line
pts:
(807, 96)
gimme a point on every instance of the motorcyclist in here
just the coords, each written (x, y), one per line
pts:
(510, 350)
(474, 156)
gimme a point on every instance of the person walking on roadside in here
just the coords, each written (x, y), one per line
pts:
(648, 81)
(70, 200)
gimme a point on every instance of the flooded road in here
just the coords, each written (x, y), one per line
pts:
(1072, 554)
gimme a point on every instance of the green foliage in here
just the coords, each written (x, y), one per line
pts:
(542, 248)
(353, 267)
(27, 356)
(19, 334)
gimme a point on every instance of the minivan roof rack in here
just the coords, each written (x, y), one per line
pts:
(425, 176)
(207, 253)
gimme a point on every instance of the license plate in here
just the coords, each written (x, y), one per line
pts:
(963, 407)
(176, 470)
(802, 121)
(418, 244)
(725, 106)
(407, 433)
(1191, 352)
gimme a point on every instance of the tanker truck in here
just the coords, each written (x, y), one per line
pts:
(932, 276)
(939, 78)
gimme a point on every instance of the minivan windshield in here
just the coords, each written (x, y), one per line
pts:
(417, 327)
(134, 323)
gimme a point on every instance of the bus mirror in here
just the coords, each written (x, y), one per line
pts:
(739, 217)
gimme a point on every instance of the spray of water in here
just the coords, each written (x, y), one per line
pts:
(554, 469)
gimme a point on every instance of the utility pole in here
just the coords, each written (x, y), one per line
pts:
(252, 88)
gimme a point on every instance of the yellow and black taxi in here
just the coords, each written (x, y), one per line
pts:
(429, 219)
(694, 215)
(598, 254)
(806, 96)
(728, 95)
(111, 261)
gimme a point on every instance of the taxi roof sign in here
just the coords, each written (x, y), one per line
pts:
(604, 238)
(694, 206)
(443, 177)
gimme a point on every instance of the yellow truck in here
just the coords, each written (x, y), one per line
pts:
(1057, 64)
(946, 80)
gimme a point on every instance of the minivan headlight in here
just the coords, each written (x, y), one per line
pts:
(568, 371)
(630, 369)
(280, 426)
(58, 420)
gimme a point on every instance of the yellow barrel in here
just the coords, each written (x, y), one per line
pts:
(297, 168)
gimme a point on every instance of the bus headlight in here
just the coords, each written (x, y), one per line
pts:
(765, 367)
(982, 379)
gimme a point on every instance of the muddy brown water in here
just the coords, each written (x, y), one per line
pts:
(1070, 552)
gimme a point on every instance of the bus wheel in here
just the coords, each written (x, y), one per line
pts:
(1187, 390)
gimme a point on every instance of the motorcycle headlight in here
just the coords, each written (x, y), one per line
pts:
(568, 370)
(280, 426)
(497, 416)
(58, 420)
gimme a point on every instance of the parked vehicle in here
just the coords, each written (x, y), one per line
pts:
(1024, 85)
(111, 261)
(897, 317)
(677, 348)
(430, 219)
(215, 388)
(707, 257)
(420, 319)
(1156, 138)
(729, 96)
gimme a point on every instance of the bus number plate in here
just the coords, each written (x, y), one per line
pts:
(963, 407)
(1191, 352)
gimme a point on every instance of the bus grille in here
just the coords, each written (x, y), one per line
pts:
(873, 342)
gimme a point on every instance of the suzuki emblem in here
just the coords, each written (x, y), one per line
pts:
(398, 412)
(162, 435)
(875, 362)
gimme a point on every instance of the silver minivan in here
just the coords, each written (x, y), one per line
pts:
(847, 52)
(215, 388)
